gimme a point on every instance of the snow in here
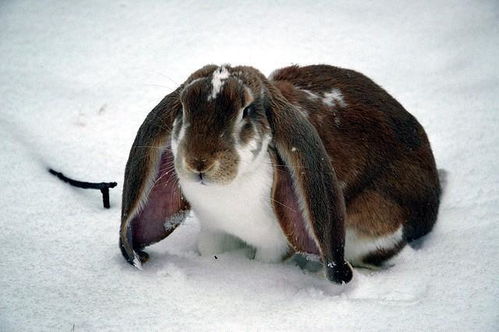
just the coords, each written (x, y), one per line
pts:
(77, 80)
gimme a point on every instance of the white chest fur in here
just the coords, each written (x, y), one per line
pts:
(242, 209)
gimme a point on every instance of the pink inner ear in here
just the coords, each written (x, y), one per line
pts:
(289, 213)
(163, 203)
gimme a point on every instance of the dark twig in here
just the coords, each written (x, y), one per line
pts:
(102, 186)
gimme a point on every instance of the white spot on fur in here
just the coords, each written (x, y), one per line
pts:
(356, 247)
(334, 98)
(311, 95)
(218, 80)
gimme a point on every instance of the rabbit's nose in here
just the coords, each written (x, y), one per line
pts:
(199, 165)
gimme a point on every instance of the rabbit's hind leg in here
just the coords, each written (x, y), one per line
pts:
(374, 229)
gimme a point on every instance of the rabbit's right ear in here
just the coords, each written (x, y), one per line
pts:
(313, 183)
(152, 203)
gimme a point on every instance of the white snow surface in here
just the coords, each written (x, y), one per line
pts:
(78, 78)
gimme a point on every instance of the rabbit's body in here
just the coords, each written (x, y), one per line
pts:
(380, 154)
(315, 159)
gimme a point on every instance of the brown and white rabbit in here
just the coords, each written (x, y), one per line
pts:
(314, 159)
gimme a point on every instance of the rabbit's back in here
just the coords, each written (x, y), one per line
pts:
(379, 151)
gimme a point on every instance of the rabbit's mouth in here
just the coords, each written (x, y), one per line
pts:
(200, 178)
(220, 171)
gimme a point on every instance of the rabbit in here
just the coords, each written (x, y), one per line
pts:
(317, 160)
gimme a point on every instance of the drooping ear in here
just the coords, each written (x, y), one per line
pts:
(315, 191)
(152, 203)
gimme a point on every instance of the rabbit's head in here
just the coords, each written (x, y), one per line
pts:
(222, 131)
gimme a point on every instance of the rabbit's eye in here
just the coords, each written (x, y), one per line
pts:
(247, 111)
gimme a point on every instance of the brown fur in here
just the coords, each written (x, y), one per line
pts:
(378, 150)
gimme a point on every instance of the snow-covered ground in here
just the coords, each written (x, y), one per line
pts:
(78, 78)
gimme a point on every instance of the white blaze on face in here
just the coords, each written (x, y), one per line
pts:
(176, 141)
(334, 98)
(219, 77)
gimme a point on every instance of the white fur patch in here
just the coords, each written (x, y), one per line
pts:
(334, 98)
(219, 77)
(356, 248)
(242, 209)
(311, 95)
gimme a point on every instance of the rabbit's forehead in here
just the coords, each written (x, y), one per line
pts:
(219, 93)
(234, 82)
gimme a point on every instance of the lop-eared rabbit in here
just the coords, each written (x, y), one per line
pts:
(316, 159)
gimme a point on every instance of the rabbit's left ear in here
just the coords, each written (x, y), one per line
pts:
(152, 205)
(314, 184)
